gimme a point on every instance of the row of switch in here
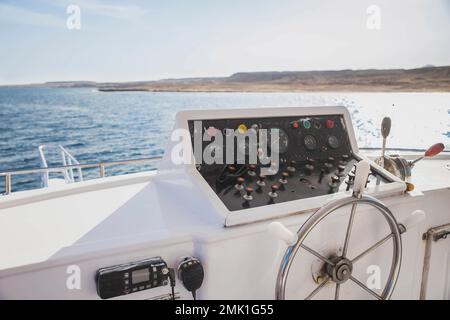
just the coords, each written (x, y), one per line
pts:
(291, 169)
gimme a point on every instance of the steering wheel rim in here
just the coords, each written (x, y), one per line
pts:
(344, 264)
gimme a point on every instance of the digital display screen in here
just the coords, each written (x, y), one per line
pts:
(139, 276)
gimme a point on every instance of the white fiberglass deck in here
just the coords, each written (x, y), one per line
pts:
(129, 215)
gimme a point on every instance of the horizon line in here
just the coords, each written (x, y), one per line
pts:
(213, 77)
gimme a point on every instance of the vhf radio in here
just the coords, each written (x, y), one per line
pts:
(132, 277)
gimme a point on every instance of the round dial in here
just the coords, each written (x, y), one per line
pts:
(279, 144)
(310, 142)
(333, 142)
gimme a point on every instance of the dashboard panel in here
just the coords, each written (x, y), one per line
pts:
(315, 158)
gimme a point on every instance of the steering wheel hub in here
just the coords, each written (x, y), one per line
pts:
(341, 271)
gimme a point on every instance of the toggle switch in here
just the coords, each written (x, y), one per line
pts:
(248, 194)
(262, 180)
(274, 192)
(284, 176)
(240, 183)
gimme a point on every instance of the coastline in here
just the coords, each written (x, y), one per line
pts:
(426, 79)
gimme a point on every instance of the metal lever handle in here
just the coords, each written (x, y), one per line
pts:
(385, 130)
(432, 151)
(386, 127)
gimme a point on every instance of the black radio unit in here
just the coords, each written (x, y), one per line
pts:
(132, 277)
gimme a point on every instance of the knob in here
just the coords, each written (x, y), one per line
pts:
(262, 180)
(309, 166)
(284, 176)
(335, 179)
(291, 167)
(328, 167)
(330, 159)
(240, 183)
(334, 184)
(231, 168)
(345, 157)
(248, 194)
(251, 172)
(340, 170)
(273, 193)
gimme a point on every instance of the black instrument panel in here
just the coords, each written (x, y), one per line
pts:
(315, 158)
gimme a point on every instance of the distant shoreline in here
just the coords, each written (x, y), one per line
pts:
(335, 89)
(426, 79)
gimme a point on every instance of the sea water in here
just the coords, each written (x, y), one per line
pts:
(97, 126)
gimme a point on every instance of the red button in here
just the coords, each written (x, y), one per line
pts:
(330, 124)
(295, 125)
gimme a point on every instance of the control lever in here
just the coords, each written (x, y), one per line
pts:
(191, 274)
(279, 231)
(412, 220)
(432, 151)
(385, 130)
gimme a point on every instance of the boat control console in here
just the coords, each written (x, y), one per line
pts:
(304, 158)
(315, 158)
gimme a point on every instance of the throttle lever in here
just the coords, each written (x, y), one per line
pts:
(432, 151)
(385, 130)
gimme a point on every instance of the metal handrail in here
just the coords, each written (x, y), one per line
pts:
(100, 165)
(67, 159)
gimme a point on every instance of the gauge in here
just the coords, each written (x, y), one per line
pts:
(279, 145)
(310, 142)
(333, 142)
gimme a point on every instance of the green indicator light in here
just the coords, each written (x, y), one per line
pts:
(306, 124)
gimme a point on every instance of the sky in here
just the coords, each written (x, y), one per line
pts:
(146, 40)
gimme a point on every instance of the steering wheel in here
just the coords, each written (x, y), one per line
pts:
(339, 268)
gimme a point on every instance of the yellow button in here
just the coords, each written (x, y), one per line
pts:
(242, 128)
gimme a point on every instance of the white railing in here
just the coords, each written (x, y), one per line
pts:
(45, 171)
(67, 159)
